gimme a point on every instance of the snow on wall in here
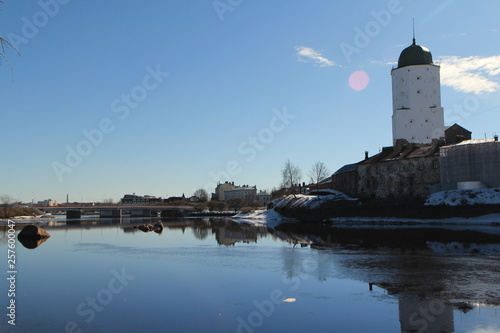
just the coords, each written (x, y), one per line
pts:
(488, 196)
(310, 201)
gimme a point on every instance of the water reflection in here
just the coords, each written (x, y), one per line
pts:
(429, 284)
(32, 243)
(425, 315)
(398, 265)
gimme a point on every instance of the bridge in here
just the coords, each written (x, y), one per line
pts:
(116, 211)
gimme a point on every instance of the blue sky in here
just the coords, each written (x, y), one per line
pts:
(174, 95)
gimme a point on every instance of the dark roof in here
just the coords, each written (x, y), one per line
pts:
(326, 180)
(415, 55)
(401, 152)
(456, 126)
(347, 168)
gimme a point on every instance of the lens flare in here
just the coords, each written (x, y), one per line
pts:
(359, 80)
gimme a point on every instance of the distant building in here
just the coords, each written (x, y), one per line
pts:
(263, 198)
(175, 199)
(247, 193)
(47, 203)
(220, 189)
(133, 199)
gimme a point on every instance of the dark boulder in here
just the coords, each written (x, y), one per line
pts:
(32, 236)
(32, 231)
(158, 227)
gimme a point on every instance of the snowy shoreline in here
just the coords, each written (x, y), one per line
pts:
(487, 223)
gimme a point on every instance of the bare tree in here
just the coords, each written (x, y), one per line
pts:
(108, 201)
(291, 176)
(3, 44)
(318, 172)
(235, 203)
(201, 194)
(7, 203)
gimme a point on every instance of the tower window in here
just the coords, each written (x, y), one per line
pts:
(419, 91)
(412, 121)
(426, 120)
(418, 77)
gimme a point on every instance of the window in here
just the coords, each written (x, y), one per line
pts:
(419, 91)
(418, 77)
(421, 165)
(435, 165)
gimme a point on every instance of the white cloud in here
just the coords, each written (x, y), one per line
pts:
(460, 34)
(308, 54)
(486, 330)
(473, 74)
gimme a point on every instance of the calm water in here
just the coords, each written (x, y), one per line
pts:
(218, 276)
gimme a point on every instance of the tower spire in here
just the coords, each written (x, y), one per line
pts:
(413, 31)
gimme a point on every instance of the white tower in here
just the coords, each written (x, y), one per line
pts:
(416, 97)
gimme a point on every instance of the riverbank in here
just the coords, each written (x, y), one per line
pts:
(442, 205)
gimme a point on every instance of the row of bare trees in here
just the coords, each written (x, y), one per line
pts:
(292, 175)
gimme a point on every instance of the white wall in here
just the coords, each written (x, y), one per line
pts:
(416, 99)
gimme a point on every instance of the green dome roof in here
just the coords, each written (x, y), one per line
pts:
(415, 55)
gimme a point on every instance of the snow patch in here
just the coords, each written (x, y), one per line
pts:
(310, 201)
(487, 196)
(270, 218)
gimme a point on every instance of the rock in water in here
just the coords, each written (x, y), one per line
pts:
(145, 227)
(158, 228)
(32, 236)
(32, 231)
